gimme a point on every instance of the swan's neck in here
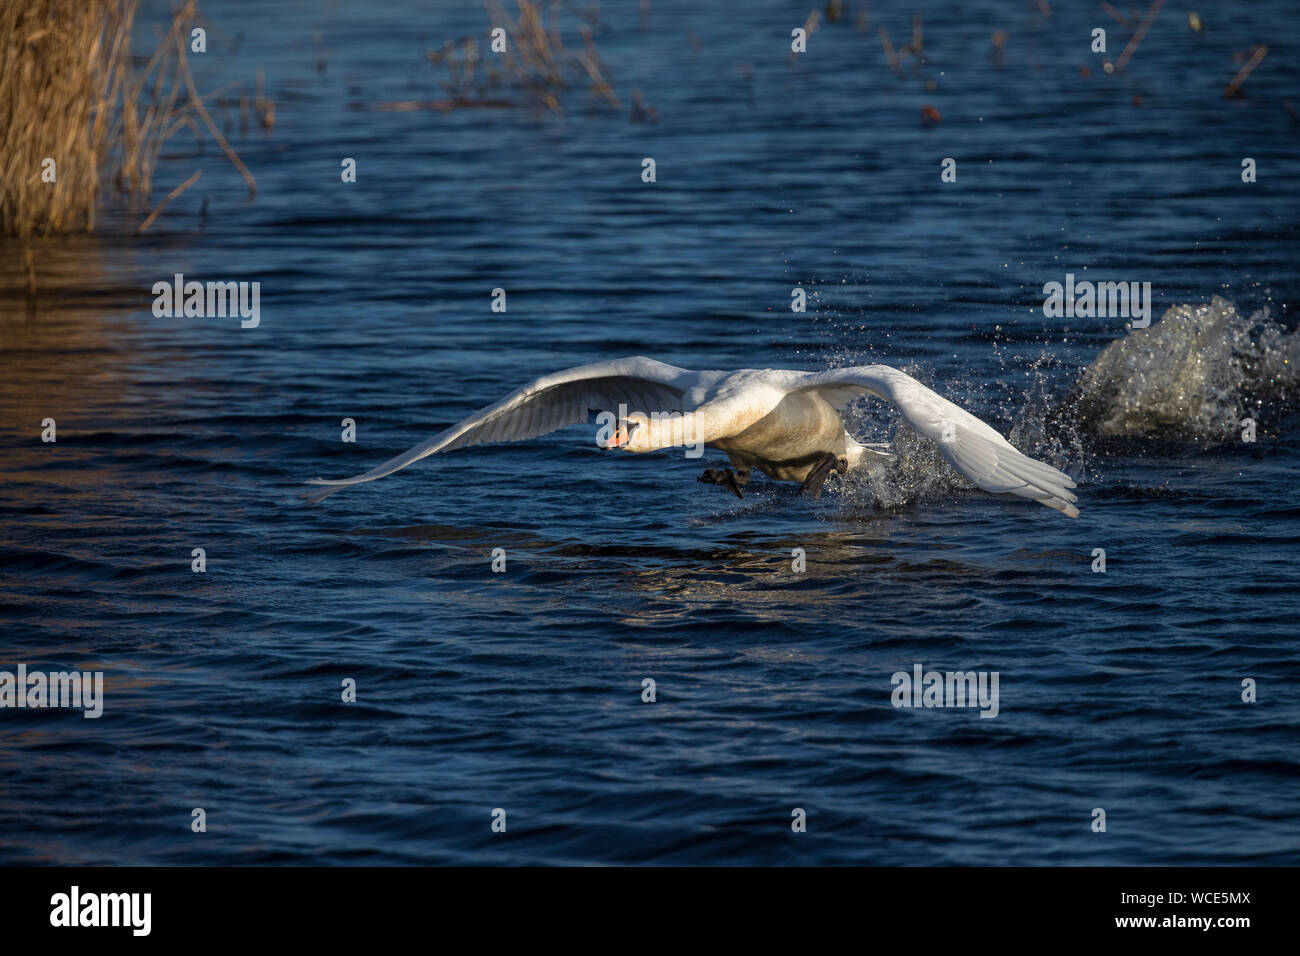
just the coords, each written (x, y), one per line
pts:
(678, 429)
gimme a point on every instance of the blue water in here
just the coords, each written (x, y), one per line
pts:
(522, 690)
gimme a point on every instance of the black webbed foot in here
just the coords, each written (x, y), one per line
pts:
(817, 477)
(727, 478)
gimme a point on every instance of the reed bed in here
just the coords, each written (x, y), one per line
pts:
(72, 92)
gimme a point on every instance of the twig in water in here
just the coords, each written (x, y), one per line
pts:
(1231, 89)
(890, 56)
(1139, 34)
(197, 102)
(1122, 20)
(170, 196)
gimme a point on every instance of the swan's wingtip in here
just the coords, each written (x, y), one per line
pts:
(318, 494)
(1066, 508)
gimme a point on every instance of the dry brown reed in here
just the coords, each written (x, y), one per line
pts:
(537, 63)
(71, 92)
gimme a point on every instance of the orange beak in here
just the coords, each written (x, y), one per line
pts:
(619, 438)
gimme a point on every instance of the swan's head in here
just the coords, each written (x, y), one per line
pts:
(632, 434)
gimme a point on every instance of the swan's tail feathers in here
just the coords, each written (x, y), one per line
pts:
(870, 456)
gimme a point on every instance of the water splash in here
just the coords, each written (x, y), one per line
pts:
(1192, 376)
(1189, 378)
(918, 473)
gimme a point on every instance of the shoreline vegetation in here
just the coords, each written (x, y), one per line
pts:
(82, 118)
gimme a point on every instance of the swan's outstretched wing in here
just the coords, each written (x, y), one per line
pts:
(545, 405)
(966, 443)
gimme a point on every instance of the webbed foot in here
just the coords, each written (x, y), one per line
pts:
(817, 477)
(727, 478)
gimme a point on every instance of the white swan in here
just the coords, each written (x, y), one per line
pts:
(786, 424)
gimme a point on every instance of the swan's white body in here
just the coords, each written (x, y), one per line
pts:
(781, 422)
